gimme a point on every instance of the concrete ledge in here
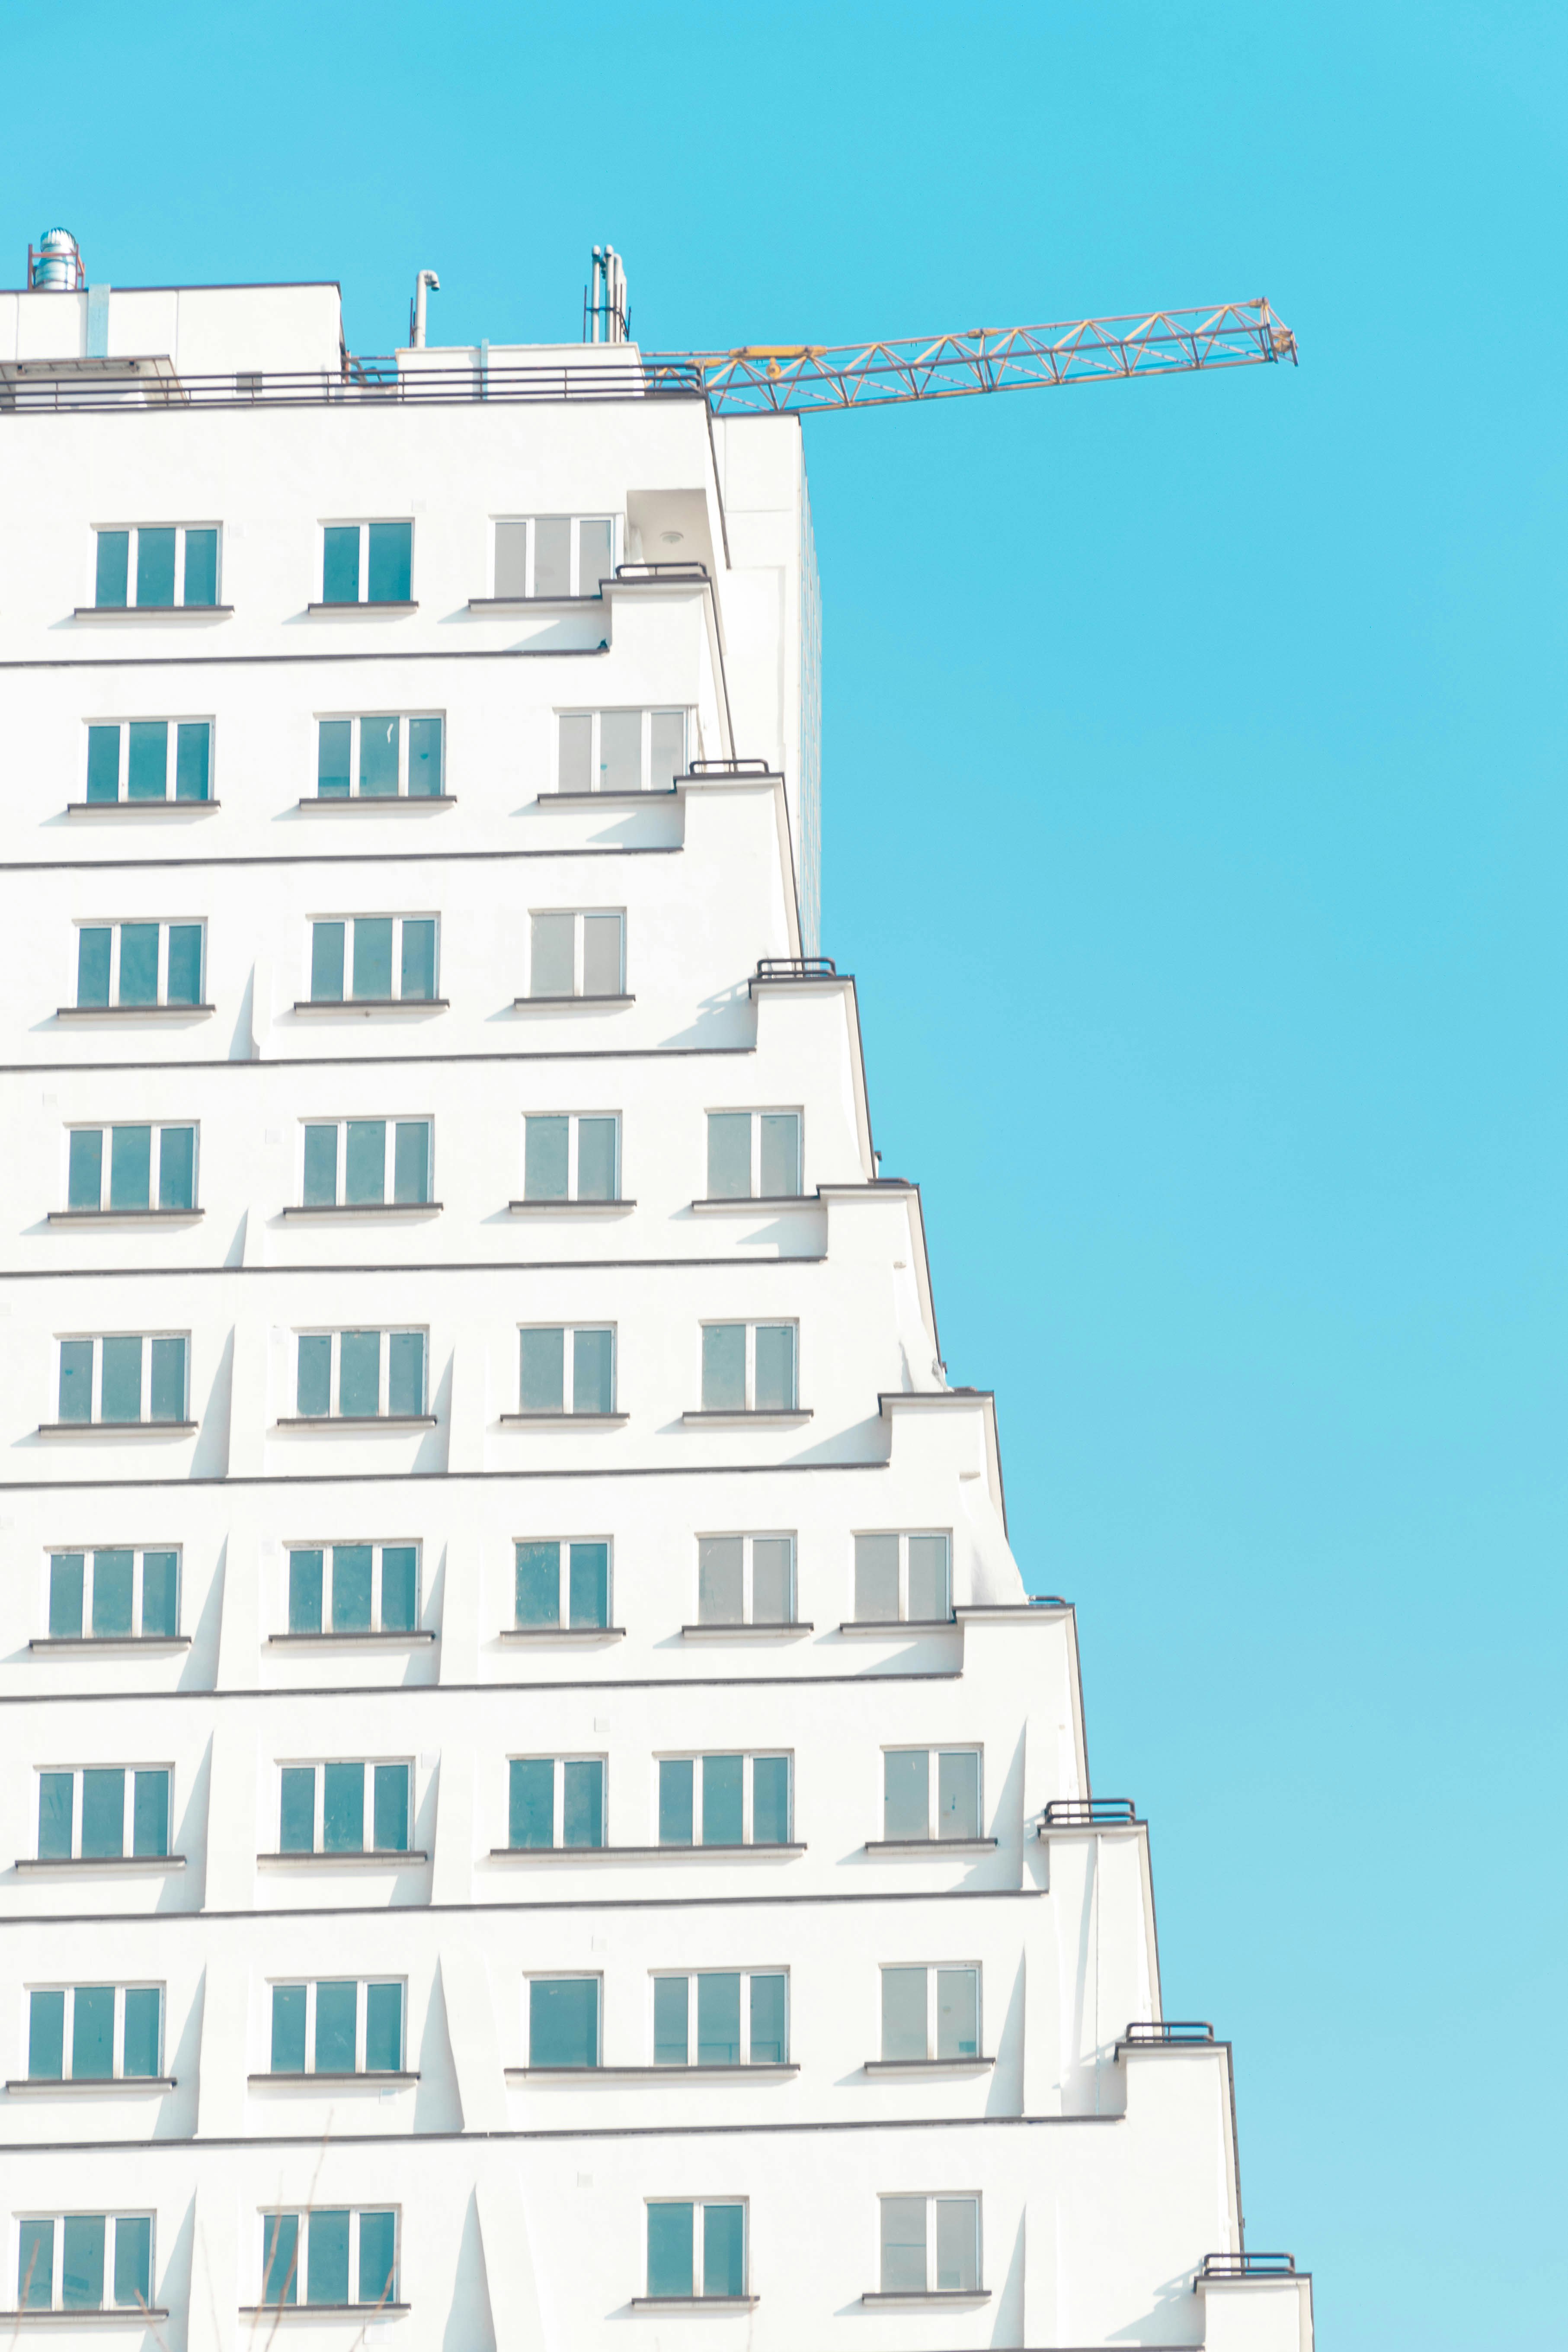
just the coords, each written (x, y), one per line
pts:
(142, 1866)
(370, 1858)
(84, 2086)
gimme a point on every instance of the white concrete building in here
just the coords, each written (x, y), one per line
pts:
(536, 1812)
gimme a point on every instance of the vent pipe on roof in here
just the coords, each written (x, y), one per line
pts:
(427, 282)
(55, 267)
(606, 316)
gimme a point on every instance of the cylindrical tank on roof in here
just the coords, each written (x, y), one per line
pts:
(57, 265)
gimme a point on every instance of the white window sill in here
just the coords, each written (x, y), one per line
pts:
(373, 1858)
(562, 1636)
(152, 612)
(363, 2081)
(792, 1632)
(98, 1866)
(621, 794)
(356, 1420)
(371, 1639)
(509, 603)
(117, 1428)
(363, 1006)
(370, 1209)
(758, 1204)
(642, 1852)
(887, 1626)
(141, 808)
(144, 1644)
(564, 1004)
(570, 1208)
(694, 2302)
(126, 1216)
(931, 1845)
(925, 2066)
(377, 800)
(113, 2314)
(646, 2073)
(745, 1419)
(367, 2313)
(369, 605)
(134, 1012)
(563, 1419)
(109, 2086)
(936, 2294)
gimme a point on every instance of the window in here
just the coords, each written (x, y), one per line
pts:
(168, 563)
(902, 1577)
(909, 1785)
(341, 2025)
(122, 1379)
(621, 750)
(931, 2245)
(142, 1168)
(150, 760)
(575, 1360)
(563, 1584)
(323, 1809)
(104, 1813)
(723, 1800)
(576, 954)
(745, 1579)
(373, 960)
(334, 2249)
(362, 1588)
(563, 2022)
(120, 1594)
(727, 2018)
(85, 2261)
(929, 2013)
(397, 756)
(567, 1158)
(366, 1163)
(696, 2250)
(361, 1376)
(753, 1155)
(553, 555)
(367, 563)
(749, 1368)
(555, 1801)
(95, 2033)
(138, 964)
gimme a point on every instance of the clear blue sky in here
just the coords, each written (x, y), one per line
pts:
(1194, 825)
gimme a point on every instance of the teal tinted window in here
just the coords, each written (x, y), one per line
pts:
(150, 1813)
(582, 1805)
(723, 2250)
(327, 2256)
(775, 1368)
(670, 2240)
(161, 1592)
(297, 1821)
(675, 1800)
(958, 1794)
(305, 1591)
(288, 2028)
(670, 2005)
(65, 1582)
(588, 1578)
(595, 1159)
(780, 1154)
(729, 1155)
(168, 1380)
(335, 742)
(144, 2005)
(313, 1388)
(957, 2013)
(184, 963)
(130, 1168)
(719, 2021)
(327, 963)
(337, 2020)
(352, 1566)
(531, 1802)
(416, 977)
(343, 1809)
(424, 759)
(138, 963)
(722, 1819)
(147, 776)
(92, 947)
(102, 1814)
(103, 764)
(364, 1161)
(411, 1161)
(200, 567)
(906, 1793)
(280, 2258)
(373, 956)
(84, 1183)
(563, 2022)
(903, 2232)
(378, 757)
(114, 567)
(405, 1372)
(75, 1380)
(177, 1168)
(723, 1368)
(770, 1800)
(56, 1813)
(340, 564)
(383, 2028)
(391, 562)
(391, 1816)
(378, 2258)
(359, 1373)
(903, 2013)
(155, 567)
(192, 756)
(46, 2037)
(544, 1159)
(399, 1589)
(133, 2260)
(112, 1582)
(122, 1398)
(538, 1584)
(543, 1369)
(92, 2034)
(593, 1372)
(770, 2045)
(320, 1167)
(81, 2265)
(36, 2257)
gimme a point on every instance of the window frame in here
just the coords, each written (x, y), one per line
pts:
(385, 1332)
(89, 1554)
(308, 2072)
(116, 925)
(144, 1420)
(364, 524)
(172, 721)
(933, 1754)
(756, 1114)
(329, 1547)
(699, 2206)
(133, 531)
(750, 1757)
(388, 1200)
(572, 1197)
(57, 2221)
(748, 1539)
(933, 2197)
(579, 994)
(569, 1332)
(365, 915)
(933, 1971)
(354, 720)
(318, 1764)
(131, 1773)
(751, 1327)
(119, 1988)
(298, 2273)
(563, 1623)
(690, 1978)
(903, 1536)
(646, 713)
(558, 1759)
(105, 1130)
(531, 1977)
(530, 522)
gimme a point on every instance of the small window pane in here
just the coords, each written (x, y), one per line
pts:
(373, 956)
(593, 565)
(133, 2260)
(177, 1168)
(184, 963)
(160, 1592)
(337, 2015)
(411, 1161)
(906, 1793)
(719, 2021)
(781, 1155)
(147, 778)
(340, 564)
(551, 972)
(75, 1380)
(150, 1813)
(551, 557)
(588, 1581)
(155, 567)
(544, 1159)
(113, 1579)
(675, 1800)
(383, 2028)
(35, 2251)
(416, 978)
(593, 1372)
(772, 1603)
(543, 1370)
(113, 571)
(92, 2034)
(958, 1795)
(200, 567)
(55, 1812)
(93, 946)
(313, 1390)
(364, 1163)
(351, 1588)
(130, 1168)
(424, 759)
(327, 2256)
(957, 2245)
(193, 760)
(103, 764)
(378, 2258)
(957, 2013)
(903, 2221)
(775, 1368)
(723, 2250)
(138, 963)
(670, 2006)
(84, 1183)
(103, 1813)
(770, 1801)
(583, 1813)
(143, 2004)
(670, 2240)
(168, 1383)
(601, 955)
(576, 763)
(511, 559)
(564, 2022)
(82, 2265)
(65, 1582)
(668, 748)
(720, 1580)
(305, 1584)
(405, 1373)
(320, 1167)
(531, 1811)
(288, 2028)
(334, 743)
(903, 2013)
(391, 562)
(280, 2258)
(327, 963)
(538, 1584)
(378, 758)
(770, 2044)
(928, 1578)
(46, 2037)
(876, 1579)
(343, 1809)
(722, 1819)
(359, 1373)
(122, 1379)
(596, 1160)
(399, 1589)
(296, 1821)
(723, 1368)
(390, 1825)
(620, 750)
(729, 1155)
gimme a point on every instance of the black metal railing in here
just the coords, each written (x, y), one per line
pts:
(729, 768)
(797, 968)
(1048, 1600)
(635, 572)
(1168, 2034)
(45, 386)
(1234, 2266)
(1090, 1812)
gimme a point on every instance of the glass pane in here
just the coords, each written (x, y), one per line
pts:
(327, 963)
(722, 1821)
(903, 2013)
(544, 1161)
(906, 1793)
(781, 1154)
(564, 2022)
(391, 1821)
(383, 2028)
(550, 962)
(168, 1383)
(36, 2253)
(327, 2256)
(103, 764)
(143, 2019)
(770, 1801)
(84, 1185)
(343, 1809)
(280, 2258)
(138, 963)
(903, 2222)
(582, 1815)
(424, 759)
(75, 1380)
(378, 758)
(92, 2032)
(161, 1592)
(358, 1373)
(177, 1168)
(671, 2002)
(340, 564)
(876, 1579)
(405, 1372)
(130, 1168)
(55, 1799)
(531, 1810)
(378, 2258)
(593, 557)
(122, 1379)
(675, 1806)
(775, 1368)
(958, 1794)
(337, 2014)
(668, 748)
(721, 1573)
(313, 1392)
(288, 2028)
(46, 2037)
(193, 760)
(538, 1584)
(770, 2042)
(297, 1822)
(81, 2268)
(620, 750)
(364, 1161)
(373, 956)
(719, 2021)
(551, 557)
(418, 976)
(391, 562)
(729, 1155)
(113, 571)
(92, 965)
(723, 2250)
(351, 1588)
(334, 744)
(150, 1813)
(320, 1167)
(597, 1158)
(104, 1813)
(601, 955)
(155, 567)
(133, 2260)
(184, 963)
(928, 1578)
(200, 567)
(772, 1601)
(411, 1161)
(112, 1577)
(305, 1582)
(723, 1368)
(66, 1582)
(148, 776)
(511, 559)
(669, 2243)
(588, 1583)
(957, 2245)
(576, 762)
(593, 1371)
(399, 1589)
(957, 2013)
(543, 1370)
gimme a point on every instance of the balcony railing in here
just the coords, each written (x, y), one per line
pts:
(1168, 2034)
(797, 968)
(1089, 1813)
(1236, 2266)
(56, 385)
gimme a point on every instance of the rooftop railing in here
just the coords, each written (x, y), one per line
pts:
(1089, 1813)
(797, 968)
(1236, 2266)
(1168, 2034)
(51, 387)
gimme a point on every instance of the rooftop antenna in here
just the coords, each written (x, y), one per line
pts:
(606, 317)
(55, 265)
(427, 282)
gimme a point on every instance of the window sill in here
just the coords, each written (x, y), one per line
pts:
(532, 1004)
(924, 2066)
(694, 2302)
(562, 1637)
(154, 1644)
(367, 2314)
(370, 604)
(365, 1006)
(789, 1633)
(625, 792)
(152, 612)
(368, 1209)
(117, 1428)
(646, 2074)
(141, 808)
(377, 800)
(570, 1208)
(887, 1625)
(98, 1864)
(506, 603)
(126, 1216)
(931, 1845)
(134, 1012)
(126, 2314)
(82, 2086)
(755, 1203)
(747, 1420)
(414, 1638)
(363, 2081)
(371, 1858)
(638, 1852)
(355, 1421)
(563, 1419)
(936, 2294)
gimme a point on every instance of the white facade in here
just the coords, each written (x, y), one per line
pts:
(203, 1470)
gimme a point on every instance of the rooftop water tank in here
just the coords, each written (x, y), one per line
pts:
(57, 264)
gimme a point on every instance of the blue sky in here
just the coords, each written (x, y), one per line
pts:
(1194, 822)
